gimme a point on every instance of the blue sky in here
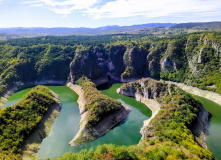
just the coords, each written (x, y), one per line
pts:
(96, 13)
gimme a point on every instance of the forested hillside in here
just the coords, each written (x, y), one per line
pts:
(193, 58)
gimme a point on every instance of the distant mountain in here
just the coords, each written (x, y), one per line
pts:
(161, 29)
(38, 31)
(202, 25)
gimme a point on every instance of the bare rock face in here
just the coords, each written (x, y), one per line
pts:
(130, 92)
(166, 64)
(110, 65)
(200, 128)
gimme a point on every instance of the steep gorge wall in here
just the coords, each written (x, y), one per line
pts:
(120, 62)
(193, 59)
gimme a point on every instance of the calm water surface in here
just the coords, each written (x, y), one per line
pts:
(127, 133)
(213, 140)
(67, 123)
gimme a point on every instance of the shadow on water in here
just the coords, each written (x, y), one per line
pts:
(108, 85)
(117, 125)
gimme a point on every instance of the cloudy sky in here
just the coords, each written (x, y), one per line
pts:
(96, 13)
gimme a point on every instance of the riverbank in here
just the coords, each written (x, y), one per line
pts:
(152, 104)
(89, 133)
(32, 144)
(81, 101)
(6, 94)
(201, 127)
(215, 97)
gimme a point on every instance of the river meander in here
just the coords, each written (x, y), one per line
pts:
(127, 133)
(67, 123)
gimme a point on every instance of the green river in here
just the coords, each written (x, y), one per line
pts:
(126, 133)
(67, 123)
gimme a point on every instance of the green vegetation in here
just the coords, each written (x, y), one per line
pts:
(37, 62)
(193, 59)
(98, 105)
(168, 136)
(190, 58)
(154, 150)
(173, 123)
(19, 120)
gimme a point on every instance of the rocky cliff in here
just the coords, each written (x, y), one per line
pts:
(200, 127)
(118, 62)
(193, 59)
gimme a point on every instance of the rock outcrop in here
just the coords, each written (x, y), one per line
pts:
(200, 127)
(150, 103)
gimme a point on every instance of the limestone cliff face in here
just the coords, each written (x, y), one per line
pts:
(174, 56)
(185, 59)
(98, 62)
(200, 50)
(119, 62)
(200, 127)
(130, 92)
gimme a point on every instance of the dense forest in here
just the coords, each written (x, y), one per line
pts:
(193, 59)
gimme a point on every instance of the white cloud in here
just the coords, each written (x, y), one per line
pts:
(155, 8)
(132, 8)
(63, 7)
